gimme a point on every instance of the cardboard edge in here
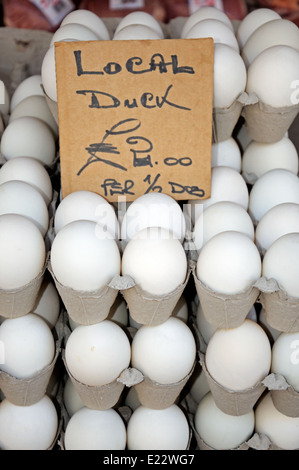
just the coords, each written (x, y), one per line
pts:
(267, 124)
(18, 302)
(154, 395)
(149, 310)
(281, 310)
(221, 310)
(232, 402)
(96, 397)
(28, 391)
(85, 307)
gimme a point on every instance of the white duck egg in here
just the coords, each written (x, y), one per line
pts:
(97, 354)
(158, 429)
(136, 31)
(229, 77)
(28, 87)
(203, 13)
(238, 358)
(140, 18)
(227, 184)
(215, 29)
(282, 430)
(153, 210)
(272, 75)
(285, 358)
(89, 19)
(31, 427)
(220, 430)
(258, 158)
(28, 343)
(229, 263)
(48, 70)
(84, 256)
(272, 188)
(90, 429)
(88, 205)
(221, 217)
(28, 136)
(252, 21)
(155, 260)
(226, 153)
(276, 32)
(19, 197)
(30, 171)
(155, 350)
(35, 106)
(281, 262)
(268, 230)
(48, 73)
(76, 31)
(19, 235)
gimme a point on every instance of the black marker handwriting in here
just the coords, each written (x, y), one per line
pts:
(105, 147)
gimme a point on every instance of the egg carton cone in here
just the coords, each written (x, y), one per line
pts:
(147, 309)
(229, 401)
(203, 446)
(285, 398)
(18, 302)
(265, 123)
(86, 307)
(281, 310)
(159, 396)
(26, 392)
(225, 119)
(104, 396)
(225, 311)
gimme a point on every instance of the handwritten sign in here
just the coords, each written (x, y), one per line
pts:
(135, 117)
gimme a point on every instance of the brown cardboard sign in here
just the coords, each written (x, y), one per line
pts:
(135, 116)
